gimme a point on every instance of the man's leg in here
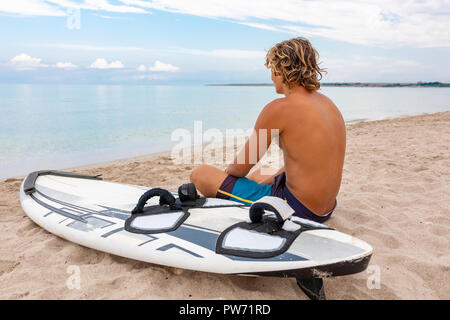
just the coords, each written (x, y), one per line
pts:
(207, 179)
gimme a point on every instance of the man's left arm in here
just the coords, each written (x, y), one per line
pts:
(258, 143)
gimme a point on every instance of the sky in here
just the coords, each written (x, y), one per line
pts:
(219, 41)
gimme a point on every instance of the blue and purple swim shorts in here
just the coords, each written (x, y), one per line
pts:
(247, 191)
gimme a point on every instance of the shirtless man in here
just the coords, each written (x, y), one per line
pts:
(311, 134)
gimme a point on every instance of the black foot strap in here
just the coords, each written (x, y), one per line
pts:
(313, 288)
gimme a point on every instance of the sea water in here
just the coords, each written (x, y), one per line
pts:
(58, 126)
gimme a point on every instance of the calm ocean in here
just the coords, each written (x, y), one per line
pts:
(57, 126)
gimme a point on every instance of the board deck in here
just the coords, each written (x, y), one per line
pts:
(92, 212)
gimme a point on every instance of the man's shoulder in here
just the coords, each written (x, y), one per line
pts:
(271, 113)
(275, 105)
(285, 106)
(278, 101)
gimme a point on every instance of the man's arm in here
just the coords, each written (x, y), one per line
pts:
(258, 143)
(269, 179)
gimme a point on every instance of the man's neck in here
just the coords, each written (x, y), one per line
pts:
(294, 90)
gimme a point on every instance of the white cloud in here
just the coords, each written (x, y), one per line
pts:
(163, 67)
(59, 7)
(97, 5)
(30, 7)
(87, 47)
(261, 26)
(66, 65)
(109, 17)
(158, 66)
(382, 23)
(101, 63)
(25, 62)
(227, 53)
(142, 68)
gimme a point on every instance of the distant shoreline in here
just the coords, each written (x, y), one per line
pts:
(349, 84)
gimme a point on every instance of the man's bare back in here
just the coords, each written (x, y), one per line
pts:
(312, 137)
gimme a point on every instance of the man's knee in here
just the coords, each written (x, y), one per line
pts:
(207, 179)
(198, 173)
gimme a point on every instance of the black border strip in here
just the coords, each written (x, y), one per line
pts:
(59, 211)
(30, 180)
(341, 268)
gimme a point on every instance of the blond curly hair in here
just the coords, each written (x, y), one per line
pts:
(296, 61)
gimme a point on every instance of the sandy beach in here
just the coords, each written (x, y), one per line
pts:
(395, 195)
